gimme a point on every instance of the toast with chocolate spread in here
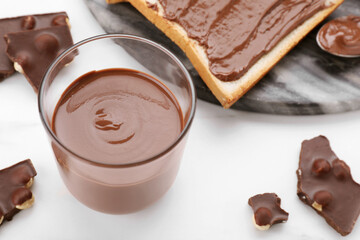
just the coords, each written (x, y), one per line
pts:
(234, 43)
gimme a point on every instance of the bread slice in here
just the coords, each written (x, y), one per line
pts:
(228, 92)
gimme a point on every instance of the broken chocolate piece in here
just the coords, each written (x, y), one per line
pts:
(33, 51)
(326, 184)
(24, 23)
(15, 195)
(267, 210)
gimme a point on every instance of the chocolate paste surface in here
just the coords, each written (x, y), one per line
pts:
(117, 116)
(237, 33)
(341, 36)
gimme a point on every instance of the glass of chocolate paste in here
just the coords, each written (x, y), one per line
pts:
(117, 117)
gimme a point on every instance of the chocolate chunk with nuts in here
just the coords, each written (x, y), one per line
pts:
(15, 195)
(325, 183)
(24, 23)
(267, 210)
(33, 51)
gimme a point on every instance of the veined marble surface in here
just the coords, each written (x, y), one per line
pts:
(230, 156)
(307, 81)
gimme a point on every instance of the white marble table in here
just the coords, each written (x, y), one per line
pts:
(230, 156)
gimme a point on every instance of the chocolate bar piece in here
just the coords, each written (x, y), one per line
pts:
(325, 183)
(15, 195)
(267, 210)
(25, 23)
(33, 51)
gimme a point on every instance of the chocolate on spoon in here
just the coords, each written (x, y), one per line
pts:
(341, 37)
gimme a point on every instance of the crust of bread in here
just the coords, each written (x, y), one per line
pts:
(228, 92)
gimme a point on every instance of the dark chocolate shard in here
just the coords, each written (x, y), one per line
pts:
(15, 195)
(24, 23)
(267, 210)
(34, 51)
(325, 183)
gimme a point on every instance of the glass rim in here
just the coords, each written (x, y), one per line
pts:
(129, 37)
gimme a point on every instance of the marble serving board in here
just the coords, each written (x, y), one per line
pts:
(307, 81)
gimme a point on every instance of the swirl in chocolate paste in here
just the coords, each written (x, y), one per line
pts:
(117, 116)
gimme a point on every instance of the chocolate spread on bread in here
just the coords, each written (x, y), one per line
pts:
(341, 36)
(237, 33)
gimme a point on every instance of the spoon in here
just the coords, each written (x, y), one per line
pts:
(333, 53)
(348, 29)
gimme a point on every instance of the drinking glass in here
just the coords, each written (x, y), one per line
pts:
(117, 188)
